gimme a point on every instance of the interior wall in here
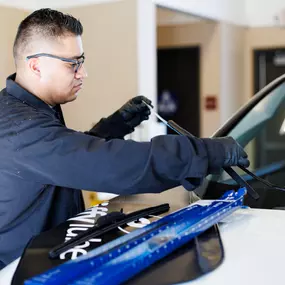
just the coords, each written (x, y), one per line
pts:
(10, 18)
(207, 36)
(110, 46)
(232, 54)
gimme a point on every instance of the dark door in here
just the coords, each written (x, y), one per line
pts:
(178, 78)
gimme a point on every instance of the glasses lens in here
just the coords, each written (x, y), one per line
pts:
(79, 64)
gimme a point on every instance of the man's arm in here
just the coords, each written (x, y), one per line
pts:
(47, 152)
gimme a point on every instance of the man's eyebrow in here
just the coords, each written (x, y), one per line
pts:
(77, 57)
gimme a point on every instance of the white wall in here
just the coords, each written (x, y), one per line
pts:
(146, 64)
(261, 13)
(232, 66)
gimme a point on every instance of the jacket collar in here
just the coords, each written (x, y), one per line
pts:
(22, 94)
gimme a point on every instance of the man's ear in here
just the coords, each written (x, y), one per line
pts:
(34, 65)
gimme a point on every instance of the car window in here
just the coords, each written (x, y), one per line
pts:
(262, 133)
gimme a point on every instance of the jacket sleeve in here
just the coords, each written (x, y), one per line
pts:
(47, 152)
(112, 127)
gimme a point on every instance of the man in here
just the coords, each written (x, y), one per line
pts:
(44, 164)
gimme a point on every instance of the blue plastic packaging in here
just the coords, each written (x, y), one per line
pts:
(120, 259)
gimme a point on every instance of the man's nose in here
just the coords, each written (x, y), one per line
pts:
(81, 72)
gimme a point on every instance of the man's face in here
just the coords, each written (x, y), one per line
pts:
(58, 79)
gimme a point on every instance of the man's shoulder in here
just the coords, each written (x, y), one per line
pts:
(3, 92)
(14, 110)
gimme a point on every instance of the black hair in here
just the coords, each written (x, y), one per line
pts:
(44, 23)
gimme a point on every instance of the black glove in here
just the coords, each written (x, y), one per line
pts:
(123, 121)
(135, 111)
(224, 152)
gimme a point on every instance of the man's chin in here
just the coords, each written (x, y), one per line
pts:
(70, 99)
(73, 97)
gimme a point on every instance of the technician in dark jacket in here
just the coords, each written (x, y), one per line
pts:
(43, 162)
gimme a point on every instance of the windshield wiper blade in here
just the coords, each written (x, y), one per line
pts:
(240, 181)
(109, 223)
(261, 180)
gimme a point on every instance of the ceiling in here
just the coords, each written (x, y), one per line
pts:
(167, 17)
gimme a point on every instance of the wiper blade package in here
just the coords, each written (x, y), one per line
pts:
(122, 258)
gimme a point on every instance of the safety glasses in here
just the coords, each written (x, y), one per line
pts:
(76, 63)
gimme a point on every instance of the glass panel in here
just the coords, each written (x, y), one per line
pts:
(262, 132)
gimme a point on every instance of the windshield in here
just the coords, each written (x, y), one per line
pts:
(262, 133)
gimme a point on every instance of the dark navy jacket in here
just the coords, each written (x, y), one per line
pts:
(42, 162)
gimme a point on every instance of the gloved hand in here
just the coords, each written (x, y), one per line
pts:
(224, 152)
(135, 111)
(123, 121)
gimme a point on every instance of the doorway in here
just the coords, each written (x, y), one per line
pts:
(178, 86)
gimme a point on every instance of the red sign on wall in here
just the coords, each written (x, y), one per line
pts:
(211, 102)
